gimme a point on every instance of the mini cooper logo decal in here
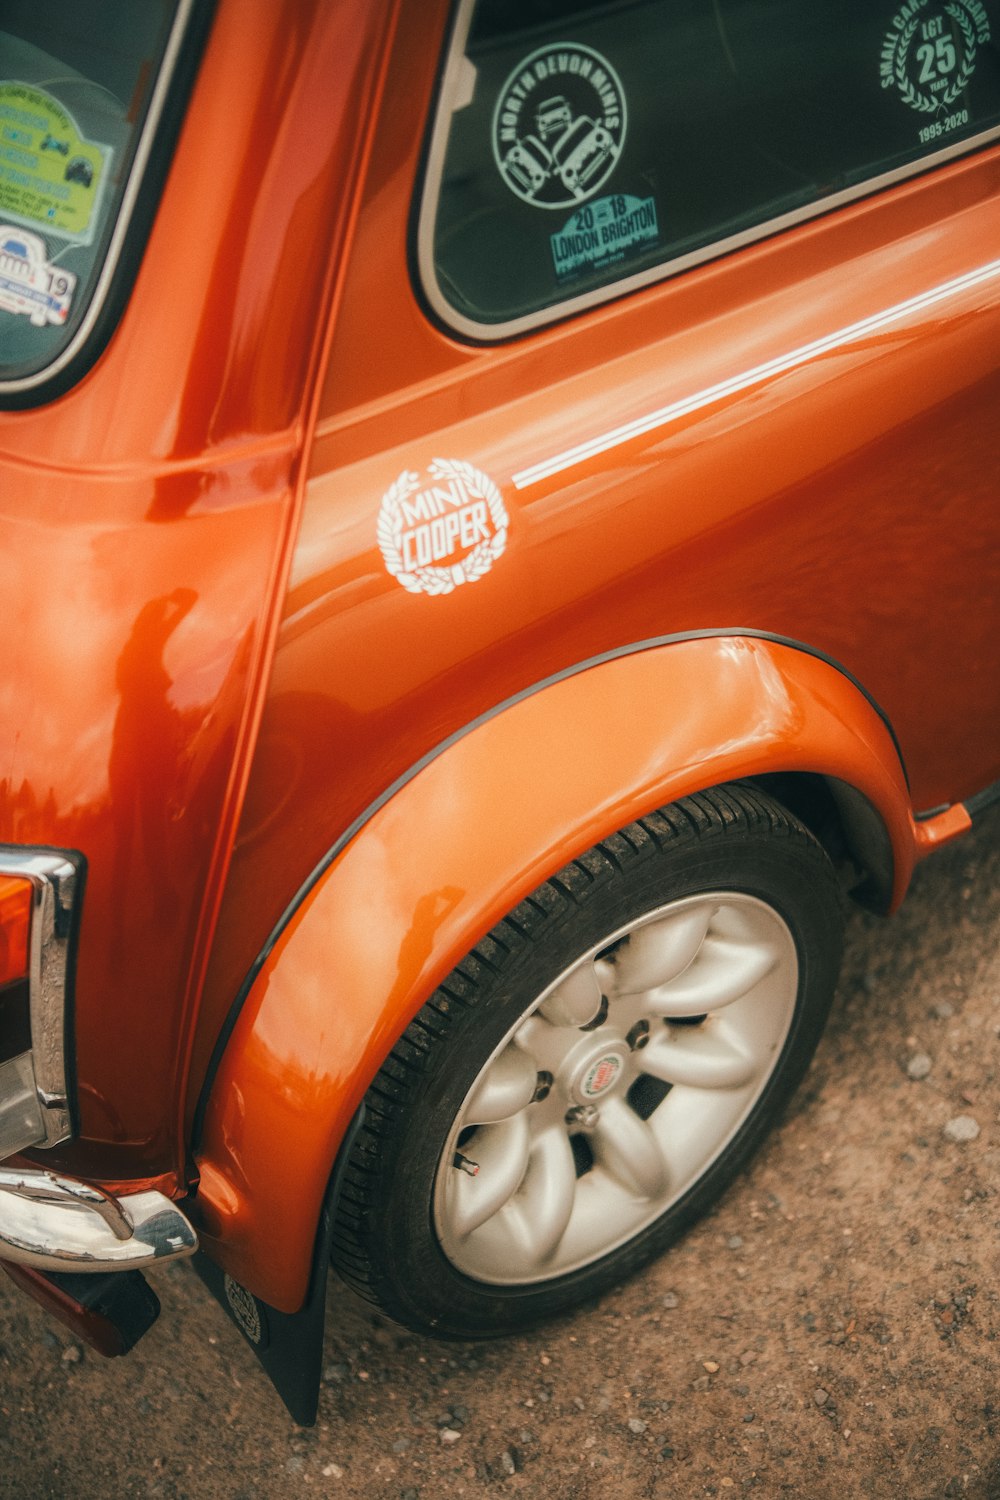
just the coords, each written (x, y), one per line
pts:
(245, 1310)
(601, 1076)
(559, 125)
(930, 54)
(443, 528)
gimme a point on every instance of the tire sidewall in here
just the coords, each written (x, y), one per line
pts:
(783, 873)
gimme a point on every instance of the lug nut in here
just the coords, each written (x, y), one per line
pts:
(586, 1115)
(543, 1085)
(639, 1035)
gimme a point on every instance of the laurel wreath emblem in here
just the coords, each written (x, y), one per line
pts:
(390, 528)
(915, 97)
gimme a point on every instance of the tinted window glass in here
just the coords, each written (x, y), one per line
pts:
(579, 145)
(76, 79)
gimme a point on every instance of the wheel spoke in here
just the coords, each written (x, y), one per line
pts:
(659, 951)
(705, 1058)
(500, 1153)
(541, 1210)
(576, 1000)
(506, 1087)
(724, 971)
(626, 1147)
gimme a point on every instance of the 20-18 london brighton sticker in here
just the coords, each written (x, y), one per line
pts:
(930, 54)
(442, 528)
(559, 125)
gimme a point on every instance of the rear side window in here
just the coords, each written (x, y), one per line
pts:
(83, 85)
(580, 150)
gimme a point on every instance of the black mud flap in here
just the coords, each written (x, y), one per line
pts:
(288, 1345)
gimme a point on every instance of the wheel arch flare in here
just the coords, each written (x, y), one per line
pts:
(477, 828)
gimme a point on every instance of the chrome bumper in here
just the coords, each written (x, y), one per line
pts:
(55, 1223)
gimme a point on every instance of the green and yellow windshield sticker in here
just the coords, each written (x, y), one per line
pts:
(51, 178)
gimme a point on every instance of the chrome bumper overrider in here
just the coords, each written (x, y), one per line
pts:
(56, 1223)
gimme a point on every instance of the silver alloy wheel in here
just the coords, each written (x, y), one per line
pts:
(616, 1090)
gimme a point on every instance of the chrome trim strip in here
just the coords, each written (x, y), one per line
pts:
(452, 87)
(828, 344)
(57, 1223)
(57, 888)
(125, 210)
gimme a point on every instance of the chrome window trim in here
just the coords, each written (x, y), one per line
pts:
(57, 884)
(452, 84)
(126, 209)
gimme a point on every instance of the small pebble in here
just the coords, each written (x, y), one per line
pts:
(961, 1128)
(637, 1425)
(710, 1366)
(671, 1299)
(735, 1242)
(919, 1066)
(72, 1354)
(332, 1471)
(821, 1397)
(449, 1435)
(507, 1462)
(943, 1010)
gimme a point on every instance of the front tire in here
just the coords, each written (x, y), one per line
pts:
(585, 1084)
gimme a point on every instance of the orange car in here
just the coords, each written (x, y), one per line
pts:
(467, 626)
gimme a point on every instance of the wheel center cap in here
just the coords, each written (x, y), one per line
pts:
(599, 1075)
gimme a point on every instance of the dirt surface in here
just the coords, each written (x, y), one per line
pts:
(834, 1327)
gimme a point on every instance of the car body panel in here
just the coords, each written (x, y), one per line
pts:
(474, 831)
(145, 520)
(727, 516)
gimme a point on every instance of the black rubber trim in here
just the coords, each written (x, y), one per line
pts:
(651, 644)
(977, 804)
(140, 223)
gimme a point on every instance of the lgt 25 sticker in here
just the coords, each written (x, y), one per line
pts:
(559, 125)
(443, 528)
(929, 56)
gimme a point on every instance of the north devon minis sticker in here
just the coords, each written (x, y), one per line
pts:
(603, 232)
(50, 176)
(443, 528)
(931, 51)
(559, 125)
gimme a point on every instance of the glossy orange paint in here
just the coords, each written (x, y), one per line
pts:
(824, 484)
(797, 440)
(144, 522)
(471, 834)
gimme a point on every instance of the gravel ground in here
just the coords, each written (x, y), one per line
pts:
(833, 1326)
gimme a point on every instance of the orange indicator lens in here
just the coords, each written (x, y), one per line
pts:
(15, 927)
